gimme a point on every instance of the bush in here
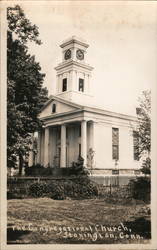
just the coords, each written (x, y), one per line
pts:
(79, 187)
(38, 189)
(141, 188)
(55, 190)
(75, 189)
(146, 166)
(78, 168)
(59, 190)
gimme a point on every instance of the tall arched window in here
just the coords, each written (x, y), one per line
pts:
(53, 108)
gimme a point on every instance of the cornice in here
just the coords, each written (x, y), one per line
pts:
(109, 113)
(73, 63)
(74, 40)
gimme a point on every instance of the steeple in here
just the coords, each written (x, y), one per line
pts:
(73, 73)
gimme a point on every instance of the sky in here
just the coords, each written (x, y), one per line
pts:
(122, 38)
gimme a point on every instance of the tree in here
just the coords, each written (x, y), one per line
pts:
(25, 94)
(144, 128)
(141, 185)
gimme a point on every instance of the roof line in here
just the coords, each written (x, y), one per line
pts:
(89, 108)
(61, 100)
(109, 113)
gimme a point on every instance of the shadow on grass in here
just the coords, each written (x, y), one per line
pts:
(14, 235)
(140, 226)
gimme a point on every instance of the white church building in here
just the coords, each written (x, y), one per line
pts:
(74, 125)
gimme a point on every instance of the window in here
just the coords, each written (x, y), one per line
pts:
(53, 108)
(115, 143)
(81, 84)
(64, 87)
(136, 146)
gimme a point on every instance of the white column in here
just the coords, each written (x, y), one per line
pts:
(39, 147)
(59, 84)
(84, 141)
(30, 159)
(73, 80)
(93, 136)
(46, 146)
(63, 147)
(92, 143)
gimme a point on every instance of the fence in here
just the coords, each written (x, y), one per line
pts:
(113, 180)
(20, 185)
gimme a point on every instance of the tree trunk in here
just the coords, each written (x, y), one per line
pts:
(20, 164)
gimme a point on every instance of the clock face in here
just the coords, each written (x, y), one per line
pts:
(67, 54)
(80, 54)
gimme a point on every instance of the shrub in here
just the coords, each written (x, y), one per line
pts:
(146, 166)
(79, 187)
(55, 190)
(38, 189)
(78, 168)
(59, 190)
(140, 188)
(58, 194)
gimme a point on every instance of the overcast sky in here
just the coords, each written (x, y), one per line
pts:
(123, 45)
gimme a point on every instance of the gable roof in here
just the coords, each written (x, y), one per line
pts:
(88, 108)
(52, 97)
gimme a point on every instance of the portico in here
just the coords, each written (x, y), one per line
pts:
(69, 140)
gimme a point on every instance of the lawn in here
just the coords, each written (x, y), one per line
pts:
(47, 221)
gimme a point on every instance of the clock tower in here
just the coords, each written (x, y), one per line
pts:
(73, 73)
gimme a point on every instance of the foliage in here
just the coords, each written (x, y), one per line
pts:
(21, 26)
(56, 190)
(38, 189)
(79, 186)
(141, 185)
(62, 189)
(141, 188)
(78, 168)
(25, 94)
(146, 170)
(144, 125)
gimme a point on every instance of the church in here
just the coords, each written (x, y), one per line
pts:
(73, 125)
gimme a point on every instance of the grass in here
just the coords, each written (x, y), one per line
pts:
(76, 221)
